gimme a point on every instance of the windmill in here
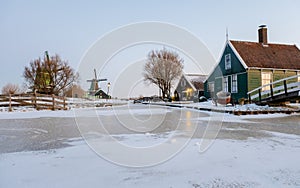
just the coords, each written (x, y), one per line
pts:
(94, 84)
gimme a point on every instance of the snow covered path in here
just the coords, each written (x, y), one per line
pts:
(260, 151)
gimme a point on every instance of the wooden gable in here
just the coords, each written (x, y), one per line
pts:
(229, 64)
(190, 86)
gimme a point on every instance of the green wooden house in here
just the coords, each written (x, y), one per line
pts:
(190, 87)
(245, 66)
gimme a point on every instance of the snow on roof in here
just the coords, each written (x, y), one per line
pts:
(196, 80)
(196, 77)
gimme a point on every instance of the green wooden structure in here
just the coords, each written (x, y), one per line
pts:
(245, 66)
(190, 87)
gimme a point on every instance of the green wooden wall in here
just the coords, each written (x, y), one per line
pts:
(254, 79)
(247, 79)
(220, 71)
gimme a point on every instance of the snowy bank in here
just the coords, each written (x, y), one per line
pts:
(246, 109)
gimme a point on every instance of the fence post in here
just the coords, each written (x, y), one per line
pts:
(285, 87)
(271, 88)
(64, 103)
(249, 98)
(53, 102)
(34, 100)
(10, 109)
(259, 95)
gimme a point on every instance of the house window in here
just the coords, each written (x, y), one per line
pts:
(211, 86)
(183, 82)
(225, 84)
(227, 62)
(234, 85)
(266, 78)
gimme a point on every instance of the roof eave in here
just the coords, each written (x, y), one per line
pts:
(237, 55)
(266, 68)
(193, 87)
(218, 62)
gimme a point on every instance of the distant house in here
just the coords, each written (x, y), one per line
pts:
(75, 92)
(190, 87)
(102, 95)
(245, 66)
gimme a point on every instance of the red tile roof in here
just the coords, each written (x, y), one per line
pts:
(277, 56)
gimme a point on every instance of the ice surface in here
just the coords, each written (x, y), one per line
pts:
(255, 162)
(271, 162)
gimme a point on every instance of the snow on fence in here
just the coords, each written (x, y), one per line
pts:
(37, 101)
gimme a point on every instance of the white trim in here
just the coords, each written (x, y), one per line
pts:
(220, 58)
(237, 55)
(237, 87)
(227, 64)
(232, 74)
(270, 80)
(208, 85)
(223, 83)
(218, 62)
(259, 68)
(188, 81)
(178, 81)
(183, 75)
(193, 87)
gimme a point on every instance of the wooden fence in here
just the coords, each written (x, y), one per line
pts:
(280, 90)
(37, 101)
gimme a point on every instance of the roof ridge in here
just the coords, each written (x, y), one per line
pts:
(259, 43)
(194, 74)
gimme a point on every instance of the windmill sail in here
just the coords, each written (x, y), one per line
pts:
(94, 83)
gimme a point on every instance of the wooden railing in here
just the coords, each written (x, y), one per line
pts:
(277, 88)
(37, 101)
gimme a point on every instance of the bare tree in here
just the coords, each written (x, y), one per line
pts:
(11, 89)
(162, 68)
(49, 75)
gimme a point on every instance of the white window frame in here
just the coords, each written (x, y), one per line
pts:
(234, 83)
(227, 61)
(183, 82)
(211, 86)
(225, 83)
(266, 78)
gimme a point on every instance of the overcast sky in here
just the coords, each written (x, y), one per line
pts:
(69, 28)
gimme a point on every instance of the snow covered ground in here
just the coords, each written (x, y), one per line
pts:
(243, 108)
(271, 162)
(269, 159)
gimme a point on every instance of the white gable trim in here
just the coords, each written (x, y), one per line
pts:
(237, 55)
(187, 80)
(179, 81)
(193, 87)
(220, 58)
(218, 62)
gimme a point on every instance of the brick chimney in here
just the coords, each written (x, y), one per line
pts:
(263, 35)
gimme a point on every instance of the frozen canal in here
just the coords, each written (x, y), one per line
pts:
(171, 148)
